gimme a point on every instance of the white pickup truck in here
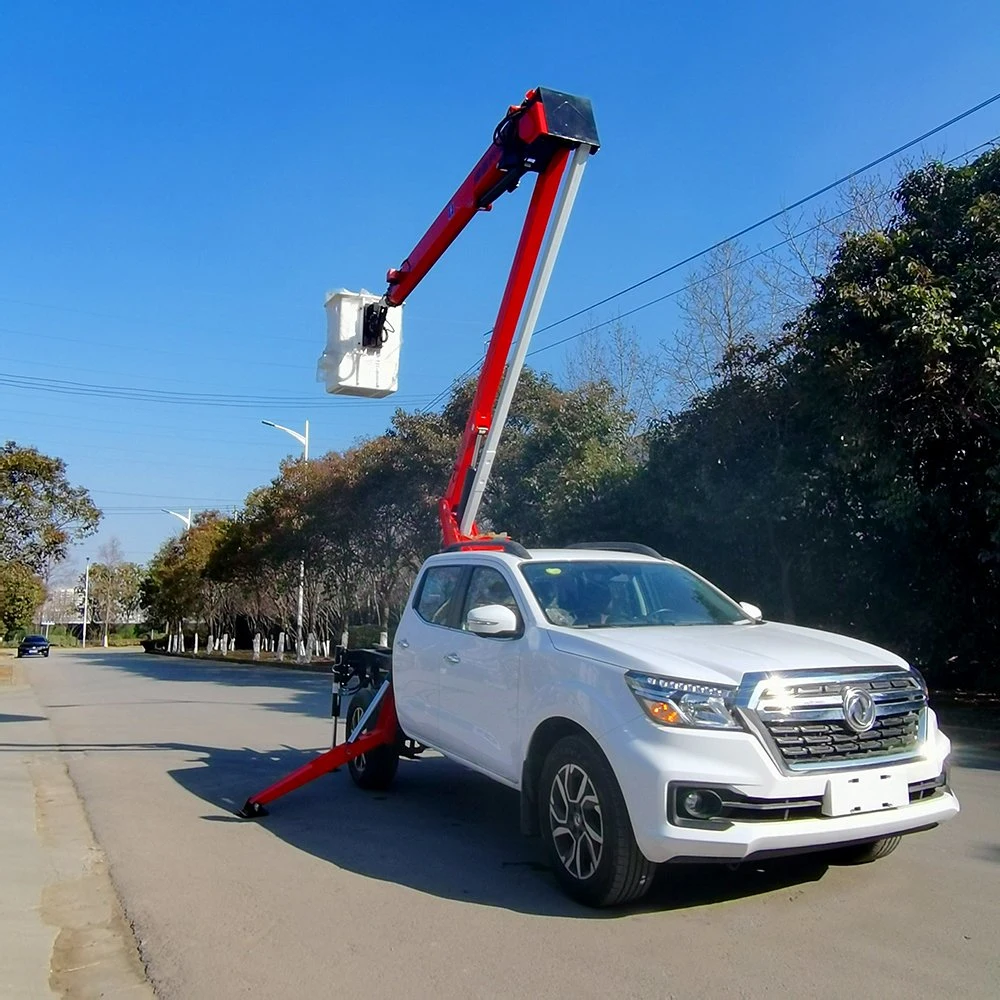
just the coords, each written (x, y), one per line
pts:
(645, 717)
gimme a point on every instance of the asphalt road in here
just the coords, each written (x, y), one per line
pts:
(430, 891)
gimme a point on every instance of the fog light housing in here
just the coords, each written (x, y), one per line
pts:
(700, 803)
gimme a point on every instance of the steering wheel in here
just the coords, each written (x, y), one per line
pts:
(661, 611)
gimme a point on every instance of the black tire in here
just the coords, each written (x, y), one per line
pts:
(865, 854)
(375, 770)
(579, 788)
(46, 653)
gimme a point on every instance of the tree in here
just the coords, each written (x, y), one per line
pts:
(897, 369)
(21, 592)
(41, 514)
(559, 451)
(176, 585)
(613, 353)
(114, 587)
(847, 472)
(728, 306)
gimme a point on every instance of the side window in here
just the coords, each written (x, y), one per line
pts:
(487, 586)
(438, 593)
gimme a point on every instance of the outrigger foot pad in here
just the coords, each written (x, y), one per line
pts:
(252, 810)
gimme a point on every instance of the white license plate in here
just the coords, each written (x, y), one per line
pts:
(864, 792)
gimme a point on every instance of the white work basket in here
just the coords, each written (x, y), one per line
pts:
(345, 366)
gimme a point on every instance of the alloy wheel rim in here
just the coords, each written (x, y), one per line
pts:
(576, 821)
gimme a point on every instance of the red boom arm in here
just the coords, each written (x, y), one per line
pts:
(537, 136)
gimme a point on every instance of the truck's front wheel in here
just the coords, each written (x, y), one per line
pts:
(375, 769)
(586, 827)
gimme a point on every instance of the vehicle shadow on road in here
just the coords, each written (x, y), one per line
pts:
(304, 693)
(445, 831)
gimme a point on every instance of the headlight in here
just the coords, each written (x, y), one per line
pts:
(670, 702)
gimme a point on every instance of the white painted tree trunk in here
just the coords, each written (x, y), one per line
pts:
(196, 644)
(281, 647)
(225, 643)
(256, 646)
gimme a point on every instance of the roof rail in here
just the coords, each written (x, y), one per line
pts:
(639, 550)
(507, 545)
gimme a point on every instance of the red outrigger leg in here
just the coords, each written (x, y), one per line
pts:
(385, 731)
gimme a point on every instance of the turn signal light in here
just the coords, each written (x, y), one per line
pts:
(663, 712)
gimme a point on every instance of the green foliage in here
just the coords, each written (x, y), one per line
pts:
(60, 635)
(897, 363)
(115, 591)
(21, 593)
(41, 514)
(175, 586)
(560, 451)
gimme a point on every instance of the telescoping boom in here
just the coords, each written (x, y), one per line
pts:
(550, 134)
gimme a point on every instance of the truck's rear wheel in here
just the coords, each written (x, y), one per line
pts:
(586, 827)
(865, 854)
(376, 769)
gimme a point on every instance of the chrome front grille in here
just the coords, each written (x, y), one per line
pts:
(800, 716)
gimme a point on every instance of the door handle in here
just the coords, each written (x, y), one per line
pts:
(453, 658)
(404, 644)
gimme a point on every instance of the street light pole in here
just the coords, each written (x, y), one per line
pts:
(186, 520)
(303, 440)
(86, 601)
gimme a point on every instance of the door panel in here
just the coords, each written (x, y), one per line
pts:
(479, 685)
(418, 647)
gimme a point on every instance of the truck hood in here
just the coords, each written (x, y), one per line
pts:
(720, 654)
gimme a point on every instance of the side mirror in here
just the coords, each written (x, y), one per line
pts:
(752, 611)
(492, 619)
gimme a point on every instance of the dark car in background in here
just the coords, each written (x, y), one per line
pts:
(33, 645)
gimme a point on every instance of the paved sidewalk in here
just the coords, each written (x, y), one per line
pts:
(62, 927)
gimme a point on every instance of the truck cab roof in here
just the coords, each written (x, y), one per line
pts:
(515, 554)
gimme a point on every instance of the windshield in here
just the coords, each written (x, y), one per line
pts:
(604, 594)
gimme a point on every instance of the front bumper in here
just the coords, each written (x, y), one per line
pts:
(647, 758)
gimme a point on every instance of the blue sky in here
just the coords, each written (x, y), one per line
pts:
(182, 183)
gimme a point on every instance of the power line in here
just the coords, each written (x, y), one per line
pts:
(137, 394)
(165, 496)
(159, 510)
(144, 350)
(735, 236)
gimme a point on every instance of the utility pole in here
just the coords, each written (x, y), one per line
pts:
(86, 603)
(303, 439)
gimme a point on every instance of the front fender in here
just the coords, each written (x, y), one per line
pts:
(591, 694)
